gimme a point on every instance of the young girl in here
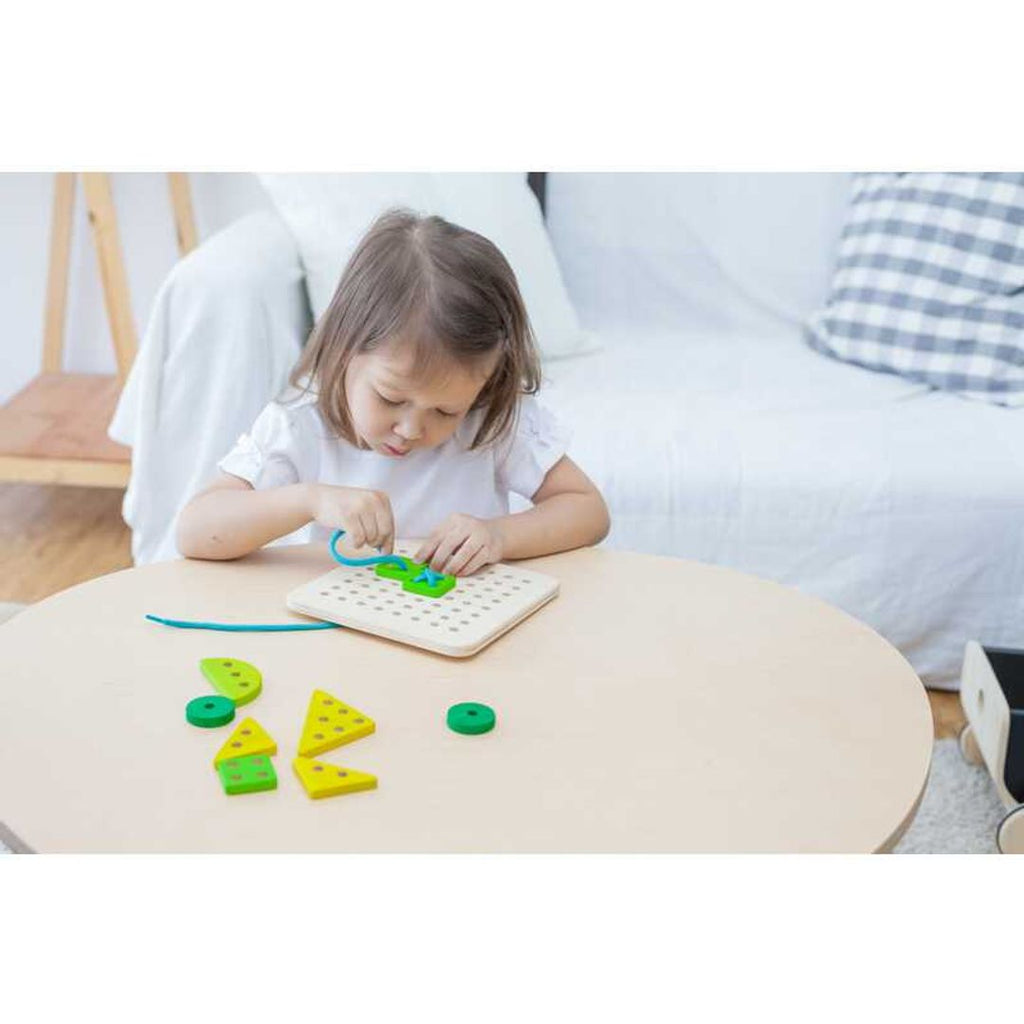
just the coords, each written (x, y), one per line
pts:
(411, 408)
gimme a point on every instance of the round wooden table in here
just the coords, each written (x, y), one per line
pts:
(656, 705)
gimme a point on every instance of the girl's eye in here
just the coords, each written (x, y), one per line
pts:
(450, 415)
(387, 401)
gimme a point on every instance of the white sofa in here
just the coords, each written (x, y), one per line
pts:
(714, 432)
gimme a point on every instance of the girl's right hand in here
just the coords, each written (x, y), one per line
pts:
(364, 515)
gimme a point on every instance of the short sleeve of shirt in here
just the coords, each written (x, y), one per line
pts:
(275, 451)
(540, 440)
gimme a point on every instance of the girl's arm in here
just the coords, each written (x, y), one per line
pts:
(231, 518)
(569, 512)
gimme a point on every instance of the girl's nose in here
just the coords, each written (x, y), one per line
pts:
(409, 430)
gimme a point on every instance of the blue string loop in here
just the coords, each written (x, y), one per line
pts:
(396, 560)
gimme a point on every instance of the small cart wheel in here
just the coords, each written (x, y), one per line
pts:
(969, 745)
(1010, 833)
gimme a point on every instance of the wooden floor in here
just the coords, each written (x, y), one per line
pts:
(54, 537)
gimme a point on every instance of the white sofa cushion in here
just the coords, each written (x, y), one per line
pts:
(329, 213)
(930, 283)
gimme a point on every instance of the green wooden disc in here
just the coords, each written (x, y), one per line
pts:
(471, 719)
(209, 712)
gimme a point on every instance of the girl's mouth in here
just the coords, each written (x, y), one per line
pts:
(395, 451)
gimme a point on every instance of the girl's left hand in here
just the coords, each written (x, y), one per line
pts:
(461, 545)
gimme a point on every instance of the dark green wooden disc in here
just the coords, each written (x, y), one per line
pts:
(209, 712)
(471, 719)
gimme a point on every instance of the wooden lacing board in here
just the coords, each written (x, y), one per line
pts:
(476, 612)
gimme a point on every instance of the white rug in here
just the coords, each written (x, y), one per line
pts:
(8, 609)
(959, 812)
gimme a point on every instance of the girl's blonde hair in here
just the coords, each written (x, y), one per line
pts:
(448, 289)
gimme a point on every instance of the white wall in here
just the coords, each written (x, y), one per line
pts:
(708, 250)
(146, 227)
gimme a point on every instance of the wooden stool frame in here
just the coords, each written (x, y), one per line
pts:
(55, 429)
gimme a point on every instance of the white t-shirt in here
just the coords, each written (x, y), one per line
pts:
(290, 443)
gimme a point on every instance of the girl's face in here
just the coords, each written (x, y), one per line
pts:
(394, 414)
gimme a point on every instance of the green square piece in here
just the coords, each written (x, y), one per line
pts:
(408, 579)
(251, 774)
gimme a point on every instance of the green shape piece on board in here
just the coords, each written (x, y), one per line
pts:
(471, 719)
(252, 774)
(409, 582)
(392, 572)
(236, 679)
(209, 712)
(438, 589)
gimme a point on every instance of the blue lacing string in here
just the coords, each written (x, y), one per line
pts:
(226, 627)
(375, 560)
(291, 626)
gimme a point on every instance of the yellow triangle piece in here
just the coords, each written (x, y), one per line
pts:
(330, 723)
(321, 779)
(248, 738)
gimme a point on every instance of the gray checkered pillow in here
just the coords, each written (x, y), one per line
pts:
(930, 283)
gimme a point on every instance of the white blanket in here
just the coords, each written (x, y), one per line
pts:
(225, 329)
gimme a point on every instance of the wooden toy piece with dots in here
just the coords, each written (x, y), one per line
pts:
(253, 774)
(248, 738)
(321, 779)
(235, 679)
(330, 723)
